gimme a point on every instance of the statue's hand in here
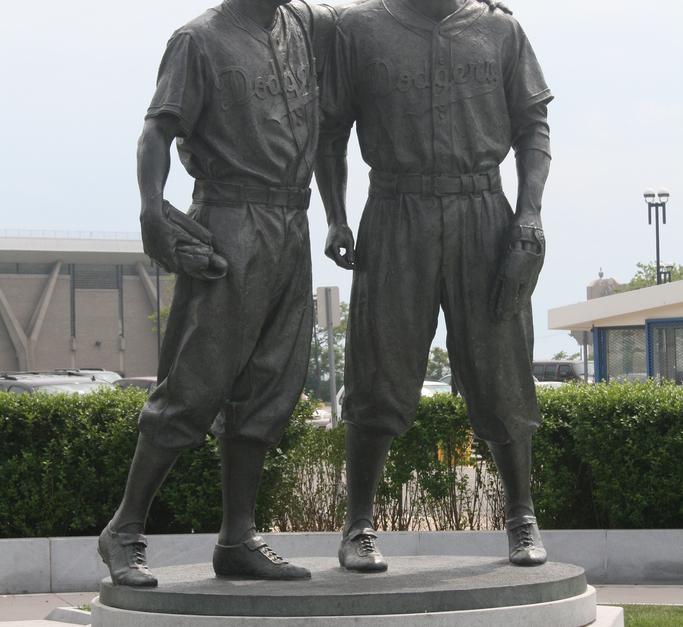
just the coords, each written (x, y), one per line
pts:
(493, 5)
(158, 240)
(519, 270)
(179, 244)
(340, 238)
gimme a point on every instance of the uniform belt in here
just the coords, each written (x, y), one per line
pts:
(219, 192)
(436, 184)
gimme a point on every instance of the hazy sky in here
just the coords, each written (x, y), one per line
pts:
(77, 77)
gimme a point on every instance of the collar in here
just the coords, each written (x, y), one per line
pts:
(247, 24)
(450, 26)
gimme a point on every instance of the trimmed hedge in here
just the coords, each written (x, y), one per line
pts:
(64, 461)
(610, 456)
(606, 456)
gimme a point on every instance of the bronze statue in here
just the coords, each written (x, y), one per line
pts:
(237, 88)
(439, 90)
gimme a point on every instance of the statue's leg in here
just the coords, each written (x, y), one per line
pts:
(122, 543)
(241, 466)
(148, 471)
(176, 417)
(393, 316)
(492, 359)
(240, 551)
(261, 401)
(513, 461)
(366, 454)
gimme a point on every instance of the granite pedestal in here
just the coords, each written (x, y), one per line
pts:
(433, 590)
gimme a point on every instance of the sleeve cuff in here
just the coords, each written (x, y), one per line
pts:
(542, 97)
(155, 112)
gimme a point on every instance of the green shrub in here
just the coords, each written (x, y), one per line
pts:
(64, 460)
(433, 479)
(606, 456)
(610, 456)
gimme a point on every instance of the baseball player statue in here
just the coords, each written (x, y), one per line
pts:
(440, 90)
(237, 88)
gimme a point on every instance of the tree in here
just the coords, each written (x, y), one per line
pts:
(167, 287)
(646, 276)
(565, 356)
(439, 365)
(318, 378)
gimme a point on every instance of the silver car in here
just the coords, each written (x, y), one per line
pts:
(33, 383)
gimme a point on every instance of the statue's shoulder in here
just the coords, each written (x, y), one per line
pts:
(316, 17)
(201, 26)
(358, 11)
(205, 21)
(318, 12)
(499, 22)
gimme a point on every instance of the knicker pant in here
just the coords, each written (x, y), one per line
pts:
(236, 349)
(414, 255)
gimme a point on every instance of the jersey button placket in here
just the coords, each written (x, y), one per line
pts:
(440, 101)
(279, 55)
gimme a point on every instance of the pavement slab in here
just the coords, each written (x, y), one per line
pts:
(18, 607)
(640, 595)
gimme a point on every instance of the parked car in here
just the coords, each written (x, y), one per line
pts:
(95, 374)
(429, 388)
(547, 384)
(322, 418)
(562, 371)
(448, 380)
(144, 383)
(32, 383)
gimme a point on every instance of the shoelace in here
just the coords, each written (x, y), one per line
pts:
(524, 536)
(367, 544)
(139, 557)
(271, 555)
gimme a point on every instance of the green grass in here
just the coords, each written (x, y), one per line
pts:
(653, 616)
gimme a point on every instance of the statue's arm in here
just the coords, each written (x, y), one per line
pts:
(524, 258)
(531, 141)
(331, 168)
(331, 174)
(168, 237)
(323, 21)
(154, 162)
(528, 97)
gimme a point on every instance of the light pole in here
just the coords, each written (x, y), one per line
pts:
(657, 201)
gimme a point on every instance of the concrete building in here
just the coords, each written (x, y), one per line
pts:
(78, 300)
(635, 335)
